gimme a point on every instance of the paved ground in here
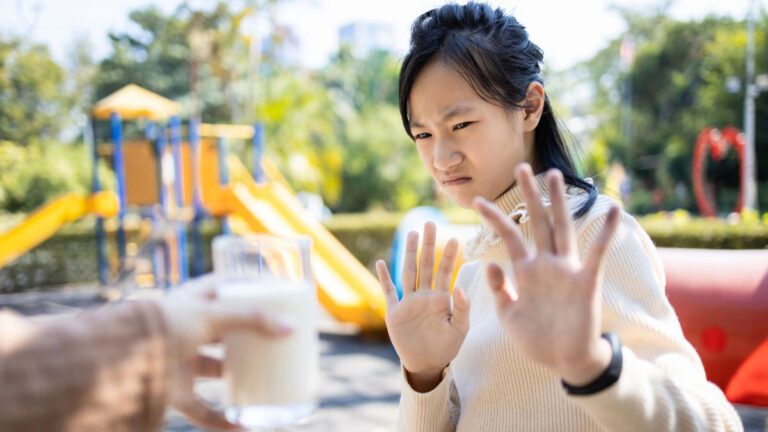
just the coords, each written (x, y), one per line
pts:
(360, 382)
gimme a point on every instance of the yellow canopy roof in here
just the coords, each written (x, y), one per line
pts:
(133, 102)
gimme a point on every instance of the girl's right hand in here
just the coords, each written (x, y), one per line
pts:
(425, 328)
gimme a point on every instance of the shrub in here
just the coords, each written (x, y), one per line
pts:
(31, 176)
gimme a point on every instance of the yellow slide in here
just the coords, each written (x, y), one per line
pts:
(44, 222)
(345, 287)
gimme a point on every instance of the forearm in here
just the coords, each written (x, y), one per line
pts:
(104, 370)
(426, 411)
(647, 398)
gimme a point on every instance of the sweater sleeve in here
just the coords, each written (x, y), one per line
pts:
(438, 410)
(663, 386)
(102, 370)
(434, 411)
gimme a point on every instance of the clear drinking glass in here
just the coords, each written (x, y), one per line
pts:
(271, 382)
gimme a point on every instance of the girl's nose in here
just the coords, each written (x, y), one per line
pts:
(446, 157)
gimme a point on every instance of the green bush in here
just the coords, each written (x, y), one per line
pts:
(679, 230)
(367, 235)
(31, 176)
(70, 256)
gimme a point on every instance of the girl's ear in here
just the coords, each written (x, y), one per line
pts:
(533, 106)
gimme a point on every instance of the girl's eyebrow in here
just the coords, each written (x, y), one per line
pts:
(448, 113)
(457, 110)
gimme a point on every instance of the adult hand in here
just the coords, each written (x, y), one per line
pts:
(194, 318)
(554, 318)
(425, 328)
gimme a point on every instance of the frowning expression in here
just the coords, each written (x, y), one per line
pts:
(470, 146)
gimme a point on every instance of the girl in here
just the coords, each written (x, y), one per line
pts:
(582, 337)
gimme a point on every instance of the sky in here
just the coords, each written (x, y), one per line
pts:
(567, 30)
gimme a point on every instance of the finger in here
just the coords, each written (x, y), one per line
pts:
(594, 260)
(542, 230)
(409, 265)
(509, 233)
(460, 306)
(208, 367)
(498, 284)
(563, 232)
(447, 262)
(204, 416)
(204, 286)
(226, 319)
(427, 260)
(390, 291)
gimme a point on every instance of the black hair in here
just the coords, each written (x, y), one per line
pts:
(490, 50)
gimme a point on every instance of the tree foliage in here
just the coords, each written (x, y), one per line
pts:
(677, 87)
(33, 100)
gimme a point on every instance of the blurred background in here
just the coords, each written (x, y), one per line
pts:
(636, 82)
(666, 103)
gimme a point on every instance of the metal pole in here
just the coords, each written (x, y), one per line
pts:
(178, 166)
(258, 152)
(197, 203)
(158, 260)
(101, 238)
(160, 145)
(117, 142)
(749, 180)
(221, 146)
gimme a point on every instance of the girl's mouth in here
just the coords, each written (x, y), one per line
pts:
(456, 181)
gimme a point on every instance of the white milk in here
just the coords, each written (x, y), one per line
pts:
(266, 371)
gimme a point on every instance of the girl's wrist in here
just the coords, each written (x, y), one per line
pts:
(585, 371)
(424, 381)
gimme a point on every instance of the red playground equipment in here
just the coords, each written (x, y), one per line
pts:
(721, 299)
(715, 142)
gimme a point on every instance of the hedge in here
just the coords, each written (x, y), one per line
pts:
(70, 256)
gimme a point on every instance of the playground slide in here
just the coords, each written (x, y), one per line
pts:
(44, 222)
(345, 287)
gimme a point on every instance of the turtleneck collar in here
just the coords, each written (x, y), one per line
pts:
(513, 204)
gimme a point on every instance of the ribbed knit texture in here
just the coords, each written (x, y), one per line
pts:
(490, 386)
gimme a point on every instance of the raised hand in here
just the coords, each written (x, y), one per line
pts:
(426, 327)
(554, 318)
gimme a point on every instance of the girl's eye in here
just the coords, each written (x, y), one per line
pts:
(422, 135)
(462, 125)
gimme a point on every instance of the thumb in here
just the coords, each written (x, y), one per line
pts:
(498, 284)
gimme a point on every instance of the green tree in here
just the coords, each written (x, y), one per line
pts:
(381, 167)
(300, 119)
(198, 57)
(33, 98)
(32, 175)
(677, 88)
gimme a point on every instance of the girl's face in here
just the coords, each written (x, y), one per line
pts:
(469, 146)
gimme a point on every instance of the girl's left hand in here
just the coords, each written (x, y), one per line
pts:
(555, 316)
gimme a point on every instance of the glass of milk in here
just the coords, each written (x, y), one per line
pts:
(271, 382)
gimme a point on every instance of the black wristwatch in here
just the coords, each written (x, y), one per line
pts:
(608, 377)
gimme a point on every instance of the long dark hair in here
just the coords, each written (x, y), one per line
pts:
(491, 50)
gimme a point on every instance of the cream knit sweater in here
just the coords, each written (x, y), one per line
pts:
(489, 386)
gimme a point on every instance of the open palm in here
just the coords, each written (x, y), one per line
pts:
(555, 316)
(426, 329)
